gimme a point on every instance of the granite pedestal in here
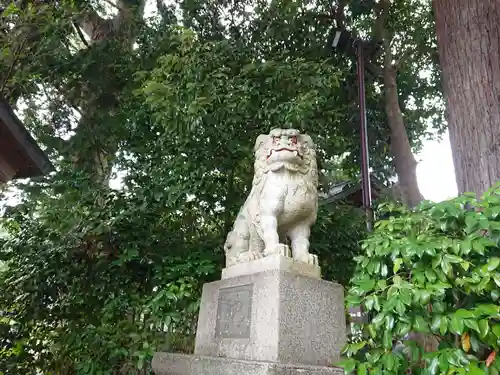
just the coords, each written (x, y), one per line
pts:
(181, 364)
(273, 322)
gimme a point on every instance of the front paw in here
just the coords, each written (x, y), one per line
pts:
(313, 259)
(279, 249)
(307, 258)
(254, 255)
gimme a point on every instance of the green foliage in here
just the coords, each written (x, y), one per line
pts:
(434, 270)
(337, 248)
(97, 279)
(104, 295)
(207, 85)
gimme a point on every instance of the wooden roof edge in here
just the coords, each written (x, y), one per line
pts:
(351, 187)
(24, 138)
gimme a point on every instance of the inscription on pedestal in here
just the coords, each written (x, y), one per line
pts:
(234, 312)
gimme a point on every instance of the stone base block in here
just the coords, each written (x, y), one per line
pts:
(273, 316)
(180, 364)
(274, 262)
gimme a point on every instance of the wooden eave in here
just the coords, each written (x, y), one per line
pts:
(20, 155)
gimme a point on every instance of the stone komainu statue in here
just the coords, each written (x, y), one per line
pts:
(283, 202)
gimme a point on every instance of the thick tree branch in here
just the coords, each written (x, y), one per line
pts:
(80, 34)
(15, 58)
(90, 21)
(381, 13)
(339, 14)
(403, 57)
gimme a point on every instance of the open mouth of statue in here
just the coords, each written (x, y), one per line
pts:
(272, 150)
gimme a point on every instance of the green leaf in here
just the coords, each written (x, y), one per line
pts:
(430, 275)
(474, 343)
(472, 324)
(387, 339)
(362, 369)
(436, 323)
(444, 363)
(390, 361)
(434, 366)
(484, 282)
(466, 246)
(400, 307)
(495, 294)
(420, 325)
(470, 222)
(484, 328)
(397, 280)
(446, 267)
(403, 329)
(389, 322)
(372, 330)
(457, 325)
(474, 370)
(377, 320)
(487, 309)
(496, 330)
(405, 296)
(366, 285)
(443, 327)
(397, 265)
(382, 284)
(348, 365)
(140, 363)
(496, 278)
(425, 297)
(355, 347)
(376, 304)
(384, 270)
(453, 258)
(369, 303)
(436, 262)
(414, 352)
(493, 263)
(392, 291)
(464, 314)
(478, 247)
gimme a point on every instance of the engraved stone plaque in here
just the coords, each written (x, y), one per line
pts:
(234, 312)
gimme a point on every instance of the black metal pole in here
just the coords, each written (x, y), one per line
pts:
(365, 164)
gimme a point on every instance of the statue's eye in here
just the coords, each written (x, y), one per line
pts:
(276, 140)
(294, 139)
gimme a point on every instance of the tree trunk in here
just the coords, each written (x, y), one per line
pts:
(404, 161)
(468, 34)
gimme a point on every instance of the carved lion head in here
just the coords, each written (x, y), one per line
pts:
(285, 149)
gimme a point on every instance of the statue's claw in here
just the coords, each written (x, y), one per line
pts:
(307, 258)
(313, 259)
(253, 255)
(279, 249)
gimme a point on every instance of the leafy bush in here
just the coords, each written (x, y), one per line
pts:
(434, 271)
(95, 280)
(335, 238)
